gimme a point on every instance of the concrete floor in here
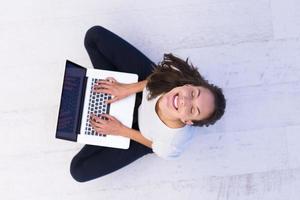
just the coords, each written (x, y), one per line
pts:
(249, 48)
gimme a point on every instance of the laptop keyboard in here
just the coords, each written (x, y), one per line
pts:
(97, 106)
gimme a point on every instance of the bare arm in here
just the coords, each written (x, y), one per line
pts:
(137, 136)
(129, 132)
(119, 90)
(137, 87)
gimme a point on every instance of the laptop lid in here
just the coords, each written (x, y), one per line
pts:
(71, 104)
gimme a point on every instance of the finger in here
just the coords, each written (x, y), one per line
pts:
(97, 120)
(106, 91)
(100, 128)
(94, 124)
(114, 99)
(108, 116)
(93, 117)
(107, 79)
(102, 89)
(102, 86)
(104, 82)
(97, 125)
(101, 121)
(111, 79)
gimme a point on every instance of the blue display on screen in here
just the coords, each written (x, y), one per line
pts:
(71, 100)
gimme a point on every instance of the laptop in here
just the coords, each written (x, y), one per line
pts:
(78, 102)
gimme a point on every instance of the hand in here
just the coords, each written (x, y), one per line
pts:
(110, 126)
(112, 87)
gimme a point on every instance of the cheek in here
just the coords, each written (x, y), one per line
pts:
(184, 114)
(165, 104)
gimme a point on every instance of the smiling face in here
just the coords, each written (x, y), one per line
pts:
(184, 104)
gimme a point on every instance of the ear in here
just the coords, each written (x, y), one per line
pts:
(189, 122)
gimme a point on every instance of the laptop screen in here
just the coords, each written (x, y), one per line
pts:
(71, 98)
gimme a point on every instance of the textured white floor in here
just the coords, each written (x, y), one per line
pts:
(249, 48)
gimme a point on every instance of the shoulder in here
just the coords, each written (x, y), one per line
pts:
(165, 150)
(173, 148)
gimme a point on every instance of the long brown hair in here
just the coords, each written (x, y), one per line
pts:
(173, 72)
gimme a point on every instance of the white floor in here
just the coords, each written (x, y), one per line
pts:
(249, 48)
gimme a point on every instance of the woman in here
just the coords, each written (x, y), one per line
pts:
(171, 97)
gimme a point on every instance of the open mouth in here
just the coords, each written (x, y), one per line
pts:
(175, 101)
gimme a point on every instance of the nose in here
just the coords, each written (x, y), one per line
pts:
(185, 101)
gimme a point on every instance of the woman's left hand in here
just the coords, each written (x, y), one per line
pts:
(110, 125)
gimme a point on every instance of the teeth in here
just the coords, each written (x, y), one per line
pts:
(176, 102)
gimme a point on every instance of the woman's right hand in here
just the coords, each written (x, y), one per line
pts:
(113, 87)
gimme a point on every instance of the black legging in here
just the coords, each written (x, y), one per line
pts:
(110, 52)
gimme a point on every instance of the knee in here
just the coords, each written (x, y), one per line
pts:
(93, 34)
(76, 170)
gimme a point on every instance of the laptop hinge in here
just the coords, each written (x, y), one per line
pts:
(81, 105)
